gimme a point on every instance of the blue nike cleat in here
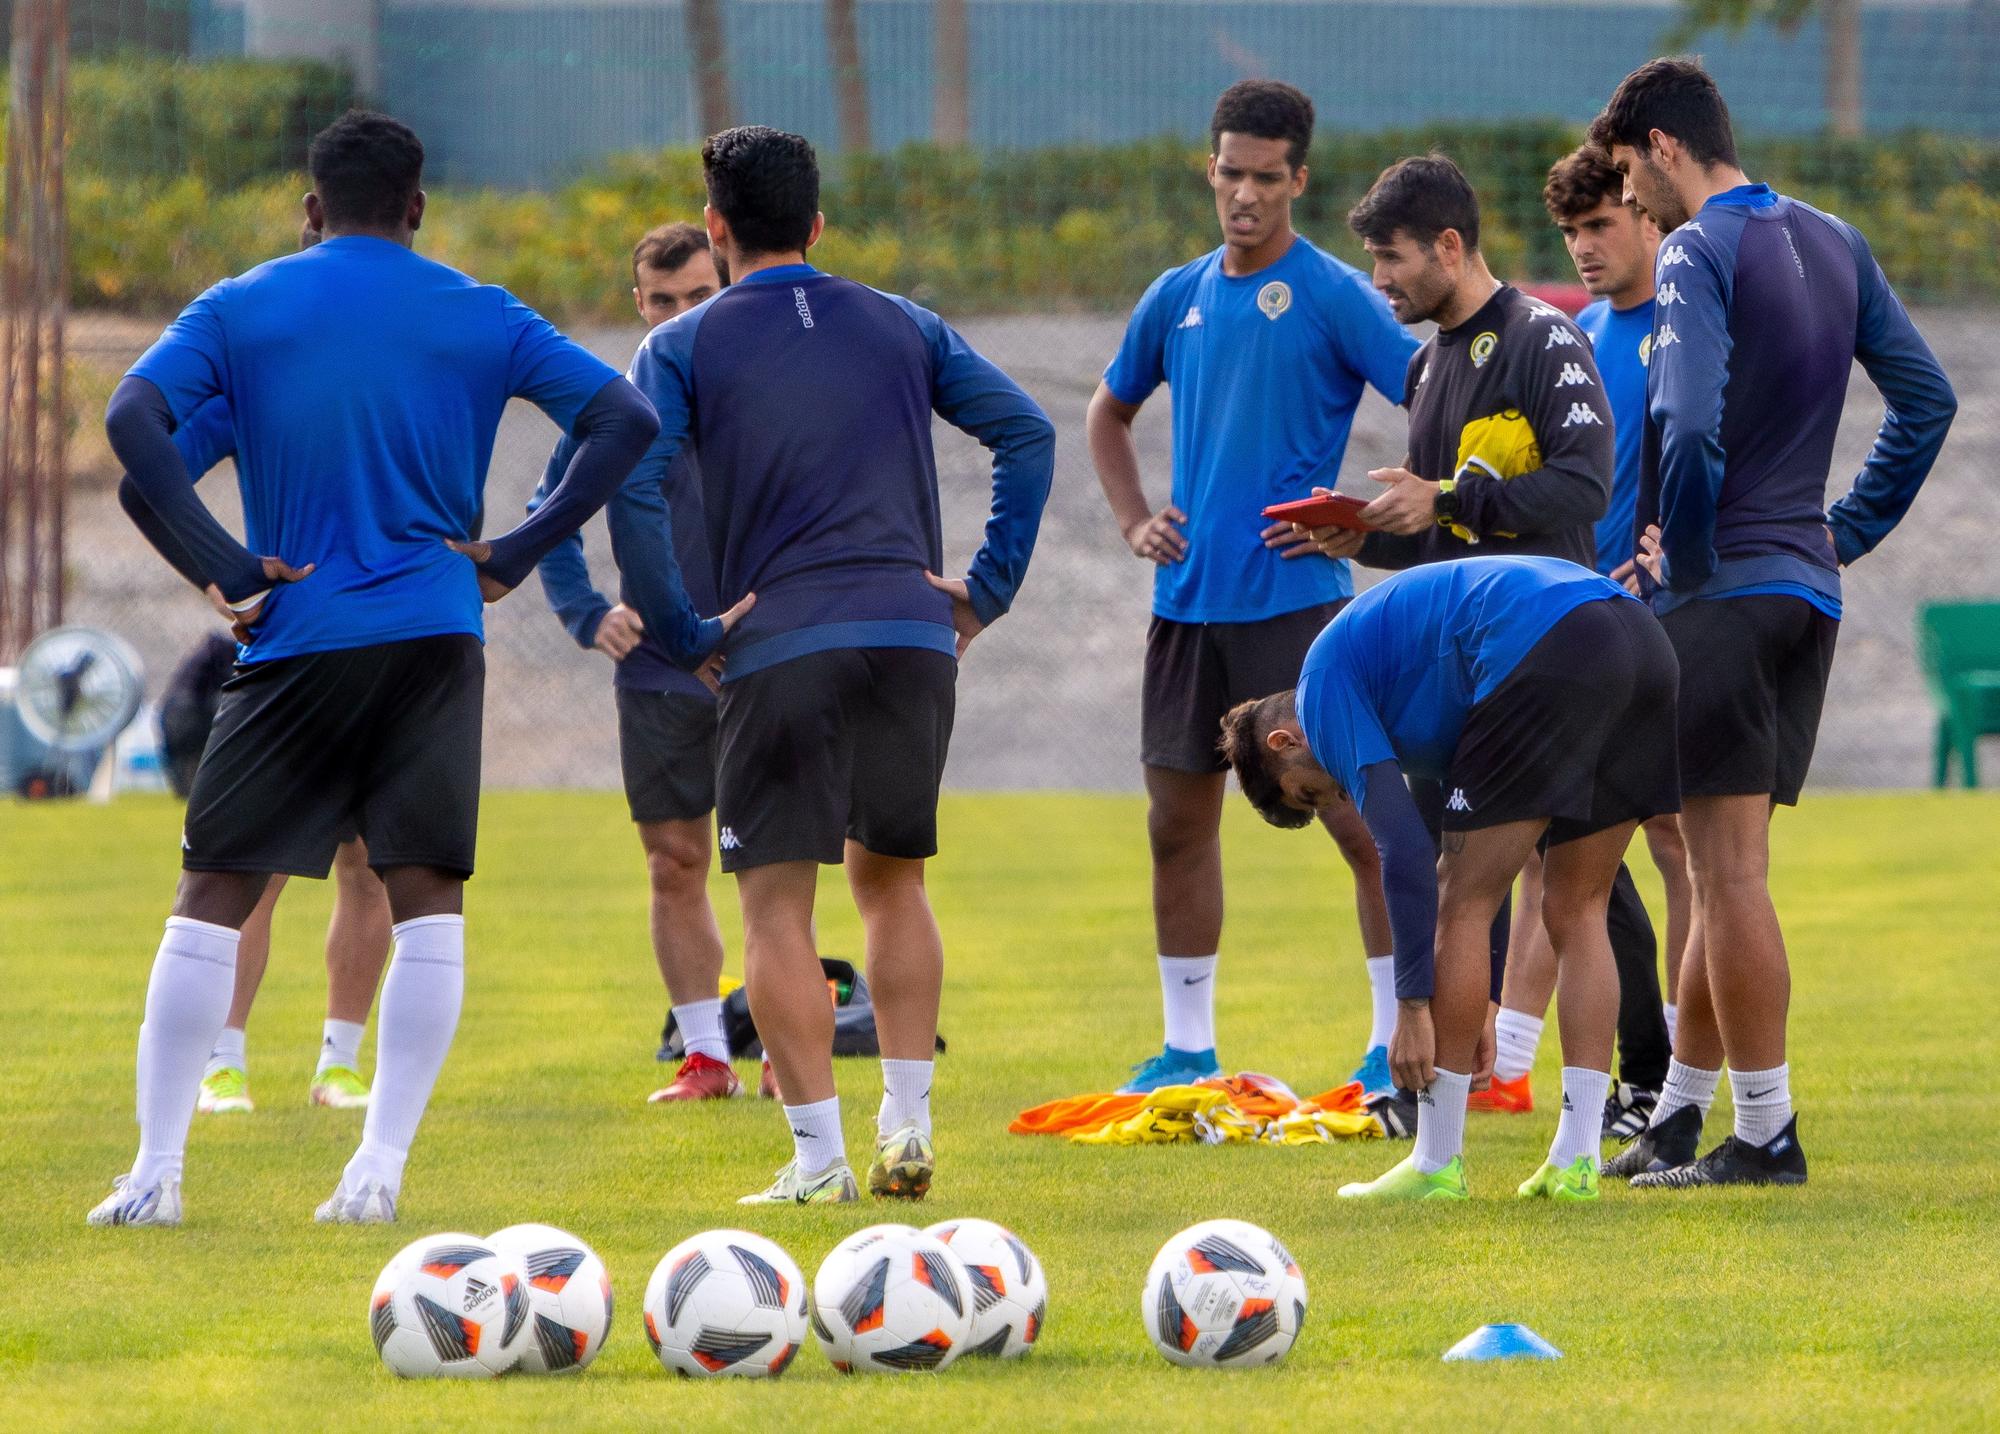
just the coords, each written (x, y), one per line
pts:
(1373, 1072)
(1170, 1067)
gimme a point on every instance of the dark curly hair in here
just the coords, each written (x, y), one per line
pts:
(765, 183)
(668, 247)
(1579, 182)
(1676, 97)
(1244, 729)
(1265, 109)
(366, 168)
(1423, 196)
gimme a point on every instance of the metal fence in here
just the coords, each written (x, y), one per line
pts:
(1049, 698)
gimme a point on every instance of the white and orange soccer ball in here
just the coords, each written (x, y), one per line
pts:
(1010, 1294)
(1224, 1294)
(449, 1307)
(890, 1300)
(726, 1302)
(569, 1298)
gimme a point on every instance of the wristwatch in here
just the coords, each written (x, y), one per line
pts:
(1446, 505)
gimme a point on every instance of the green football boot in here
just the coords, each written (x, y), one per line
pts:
(225, 1092)
(339, 1088)
(1403, 1181)
(833, 1186)
(1574, 1181)
(904, 1164)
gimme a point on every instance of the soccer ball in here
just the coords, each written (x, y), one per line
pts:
(726, 1302)
(1225, 1294)
(569, 1297)
(892, 1299)
(1010, 1295)
(449, 1306)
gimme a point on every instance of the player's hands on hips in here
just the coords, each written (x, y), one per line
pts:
(242, 619)
(1650, 556)
(964, 621)
(490, 589)
(710, 671)
(1409, 507)
(618, 632)
(1328, 542)
(1413, 1048)
(1159, 538)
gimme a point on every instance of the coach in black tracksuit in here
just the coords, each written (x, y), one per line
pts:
(1510, 452)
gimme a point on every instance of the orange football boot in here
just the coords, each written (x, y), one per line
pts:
(1508, 1097)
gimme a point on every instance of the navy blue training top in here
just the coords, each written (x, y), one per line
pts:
(1762, 305)
(807, 401)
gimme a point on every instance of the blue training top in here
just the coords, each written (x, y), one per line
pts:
(1392, 677)
(580, 607)
(1763, 303)
(365, 383)
(807, 401)
(1621, 340)
(1265, 371)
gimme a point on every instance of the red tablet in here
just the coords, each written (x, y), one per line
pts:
(1336, 511)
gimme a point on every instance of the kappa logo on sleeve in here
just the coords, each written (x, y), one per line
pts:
(1669, 294)
(1665, 338)
(1572, 376)
(1674, 254)
(1560, 337)
(1581, 415)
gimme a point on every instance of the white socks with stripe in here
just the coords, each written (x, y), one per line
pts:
(906, 1095)
(817, 1145)
(1686, 1086)
(1187, 994)
(1581, 1128)
(420, 1002)
(1441, 1120)
(700, 1025)
(1763, 1103)
(1516, 1037)
(187, 1000)
(1381, 1000)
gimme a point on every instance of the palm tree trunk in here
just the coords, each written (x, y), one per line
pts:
(843, 40)
(710, 49)
(951, 98)
(1842, 19)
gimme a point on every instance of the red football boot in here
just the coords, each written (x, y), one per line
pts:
(1509, 1097)
(700, 1078)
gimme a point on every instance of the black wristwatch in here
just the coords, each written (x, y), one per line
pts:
(1446, 505)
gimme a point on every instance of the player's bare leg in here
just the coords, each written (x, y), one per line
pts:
(1184, 833)
(225, 1084)
(187, 999)
(687, 945)
(421, 999)
(1663, 839)
(1357, 848)
(906, 975)
(1525, 993)
(358, 938)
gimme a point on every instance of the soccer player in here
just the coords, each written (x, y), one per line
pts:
(666, 716)
(1542, 695)
(1764, 303)
(1266, 343)
(362, 452)
(807, 401)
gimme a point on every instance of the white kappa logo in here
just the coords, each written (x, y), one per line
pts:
(1558, 337)
(727, 841)
(1674, 254)
(1669, 294)
(1193, 319)
(1458, 803)
(1581, 414)
(1572, 375)
(1665, 337)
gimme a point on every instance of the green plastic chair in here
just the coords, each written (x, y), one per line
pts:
(1960, 643)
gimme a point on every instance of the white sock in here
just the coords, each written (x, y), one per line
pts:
(1516, 1037)
(340, 1045)
(1441, 1120)
(1686, 1086)
(1581, 1128)
(817, 1144)
(1763, 1103)
(229, 1053)
(1673, 1015)
(700, 1024)
(906, 1095)
(419, 1008)
(187, 1000)
(1187, 992)
(1381, 999)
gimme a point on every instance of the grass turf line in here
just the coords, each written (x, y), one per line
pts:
(1863, 1298)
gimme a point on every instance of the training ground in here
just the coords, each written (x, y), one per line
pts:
(1864, 1300)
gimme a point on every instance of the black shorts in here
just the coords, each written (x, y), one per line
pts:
(844, 744)
(308, 751)
(1580, 733)
(1197, 671)
(1753, 683)
(666, 750)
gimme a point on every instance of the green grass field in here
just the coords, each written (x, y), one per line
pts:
(1866, 1299)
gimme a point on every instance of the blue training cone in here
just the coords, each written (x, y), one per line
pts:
(1502, 1341)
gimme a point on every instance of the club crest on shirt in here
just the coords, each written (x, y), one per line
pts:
(1483, 346)
(1274, 298)
(1646, 352)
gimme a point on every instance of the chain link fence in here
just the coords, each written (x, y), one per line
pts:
(528, 98)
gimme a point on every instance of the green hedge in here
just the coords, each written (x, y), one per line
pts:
(1065, 228)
